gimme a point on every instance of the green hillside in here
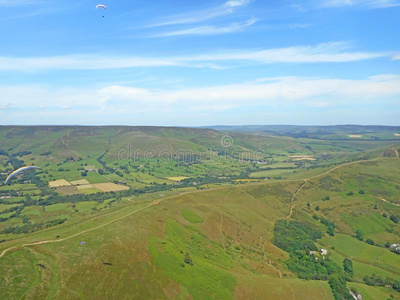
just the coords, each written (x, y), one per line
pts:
(178, 213)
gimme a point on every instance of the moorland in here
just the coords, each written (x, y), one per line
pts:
(243, 212)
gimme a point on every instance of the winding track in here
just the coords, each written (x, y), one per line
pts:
(395, 151)
(175, 196)
(91, 229)
(384, 200)
(294, 197)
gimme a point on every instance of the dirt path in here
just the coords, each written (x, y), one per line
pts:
(269, 264)
(395, 151)
(174, 196)
(221, 236)
(94, 228)
(291, 211)
(384, 200)
(294, 197)
(341, 166)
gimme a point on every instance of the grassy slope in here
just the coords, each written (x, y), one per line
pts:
(232, 244)
(227, 231)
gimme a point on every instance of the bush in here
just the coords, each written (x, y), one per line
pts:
(394, 218)
(331, 231)
(317, 208)
(348, 266)
(362, 192)
(369, 241)
(350, 193)
(188, 260)
(396, 285)
(359, 235)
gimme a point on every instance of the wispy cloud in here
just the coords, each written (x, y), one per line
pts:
(327, 52)
(201, 15)
(19, 2)
(114, 100)
(396, 57)
(208, 30)
(322, 53)
(21, 9)
(365, 3)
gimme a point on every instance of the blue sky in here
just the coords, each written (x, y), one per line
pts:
(193, 63)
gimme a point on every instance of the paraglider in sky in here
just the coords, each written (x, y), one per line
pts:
(20, 170)
(102, 6)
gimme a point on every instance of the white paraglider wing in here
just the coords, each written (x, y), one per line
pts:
(101, 6)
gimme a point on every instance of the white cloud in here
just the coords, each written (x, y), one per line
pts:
(322, 53)
(264, 101)
(81, 62)
(366, 3)
(282, 91)
(266, 91)
(209, 30)
(396, 57)
(202, 15)
(328, 52)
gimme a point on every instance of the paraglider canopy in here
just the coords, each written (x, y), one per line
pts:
(20, 170)
(101, 6)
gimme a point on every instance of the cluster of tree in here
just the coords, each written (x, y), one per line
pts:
(292, 236)
(16, 212)
(377, 280)
(14, 162)
(29, 228)
(309, 266)
(45, 153)
(331, 226)
(339, 288)
(106, 169)
(11, 209)
(298, 239)
(360, 236)
(125, 169)
(21, 153)
(348, 268)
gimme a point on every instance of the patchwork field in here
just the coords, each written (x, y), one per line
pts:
(177, 178)
(110, 187)
(59, 183)
(80, 182)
